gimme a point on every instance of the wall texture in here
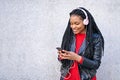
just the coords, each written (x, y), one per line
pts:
(30, 30)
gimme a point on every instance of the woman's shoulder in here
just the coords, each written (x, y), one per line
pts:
(97, 37)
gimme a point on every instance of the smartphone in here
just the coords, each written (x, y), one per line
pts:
(59, 49)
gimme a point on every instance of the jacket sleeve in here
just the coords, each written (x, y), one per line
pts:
(95, 62)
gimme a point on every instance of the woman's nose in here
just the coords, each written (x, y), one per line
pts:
(73, 26)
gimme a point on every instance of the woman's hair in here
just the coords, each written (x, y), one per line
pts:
(91, 28)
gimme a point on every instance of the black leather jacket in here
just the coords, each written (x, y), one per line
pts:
(90, 64)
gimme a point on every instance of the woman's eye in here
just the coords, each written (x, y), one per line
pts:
(77, 23)
(71, 24)
(74, 23)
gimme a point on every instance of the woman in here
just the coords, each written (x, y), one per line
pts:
(82, 45)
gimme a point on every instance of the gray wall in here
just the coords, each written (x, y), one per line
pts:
(30, 30)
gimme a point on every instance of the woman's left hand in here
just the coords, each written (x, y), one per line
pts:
(70, 55)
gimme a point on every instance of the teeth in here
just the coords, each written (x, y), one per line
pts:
(74, 30)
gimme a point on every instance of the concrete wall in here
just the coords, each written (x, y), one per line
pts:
(30, 30)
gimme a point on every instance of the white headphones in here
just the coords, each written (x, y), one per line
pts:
(86, 20)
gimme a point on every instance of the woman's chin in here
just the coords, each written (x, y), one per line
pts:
(75, 32)
(78, 32)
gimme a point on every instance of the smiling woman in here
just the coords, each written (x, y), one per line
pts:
(77, 25)
(82, 45)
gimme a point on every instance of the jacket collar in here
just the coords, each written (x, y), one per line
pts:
(82, 48)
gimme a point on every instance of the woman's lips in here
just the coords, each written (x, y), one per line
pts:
(74, 30)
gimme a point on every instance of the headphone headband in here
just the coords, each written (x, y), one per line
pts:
(86, 21)
(83, 12)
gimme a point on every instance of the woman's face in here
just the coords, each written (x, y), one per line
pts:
(76, 23)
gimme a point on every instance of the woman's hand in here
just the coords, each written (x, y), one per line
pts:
(69, 55)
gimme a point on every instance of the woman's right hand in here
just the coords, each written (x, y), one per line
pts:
(69, 55)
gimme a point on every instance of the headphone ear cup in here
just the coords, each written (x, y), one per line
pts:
(85, 21)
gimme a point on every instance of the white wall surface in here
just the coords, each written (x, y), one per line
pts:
(30, 30)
